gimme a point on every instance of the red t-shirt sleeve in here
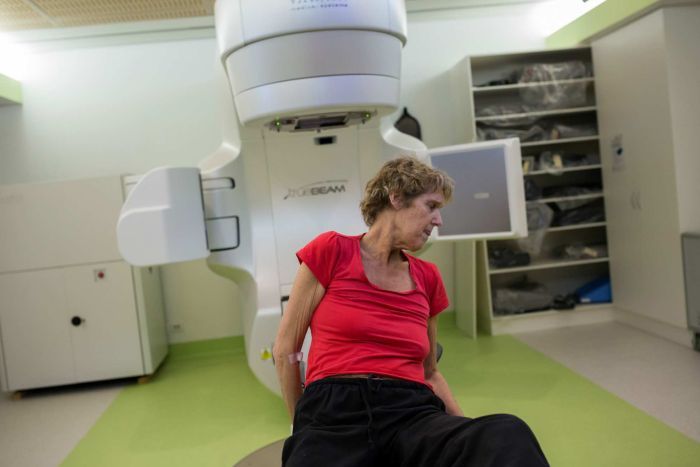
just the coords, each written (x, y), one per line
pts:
(438, 296)
(320, 256)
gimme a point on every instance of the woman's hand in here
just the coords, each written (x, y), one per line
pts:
(434, 377)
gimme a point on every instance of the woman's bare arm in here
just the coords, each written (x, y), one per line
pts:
(434, 377)
(303, 300)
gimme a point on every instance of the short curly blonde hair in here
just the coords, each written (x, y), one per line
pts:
(406, 177)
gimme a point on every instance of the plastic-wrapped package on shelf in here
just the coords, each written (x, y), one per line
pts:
(587, 213)
(531, 129)
(521, 297)
(554, 96)
(503, 109)
(582, 251)
(539, 72)
(558, 192)
(503, 257)
(567, 96)
(531, 134)
(521, 121)
(561, 131)
(539, 218)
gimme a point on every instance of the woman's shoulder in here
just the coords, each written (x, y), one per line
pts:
(424, 266)
(332, 237)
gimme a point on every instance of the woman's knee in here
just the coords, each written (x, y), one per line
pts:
(516, 438)
(508, 425)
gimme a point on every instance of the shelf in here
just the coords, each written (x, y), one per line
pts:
(539, 113)
(592, 225)
(559, 141)
(509, 87)
(549, 264)
(551, 311)
(583, 314)
(567, 198)
(564, 170)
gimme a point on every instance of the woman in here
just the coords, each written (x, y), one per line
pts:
(374, 395)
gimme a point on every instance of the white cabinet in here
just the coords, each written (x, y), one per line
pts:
(36, 334)
(548, 100)
(647, 76)
(71, 311)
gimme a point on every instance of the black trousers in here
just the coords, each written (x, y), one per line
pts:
(343, 422)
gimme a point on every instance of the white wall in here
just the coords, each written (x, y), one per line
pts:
(106, 110)
(109, 110)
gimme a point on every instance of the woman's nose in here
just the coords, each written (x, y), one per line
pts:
(437, 221)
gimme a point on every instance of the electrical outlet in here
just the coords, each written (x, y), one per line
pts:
(177, 327)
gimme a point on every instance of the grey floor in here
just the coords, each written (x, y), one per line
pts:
(658, 376)
(41, 429)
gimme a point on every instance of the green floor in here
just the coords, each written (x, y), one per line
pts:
(205, 408)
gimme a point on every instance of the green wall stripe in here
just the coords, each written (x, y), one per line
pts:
(10, 90)
(605, 15)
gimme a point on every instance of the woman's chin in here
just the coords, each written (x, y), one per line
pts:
(418, 244)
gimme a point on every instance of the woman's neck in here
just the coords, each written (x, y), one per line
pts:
(379, 244)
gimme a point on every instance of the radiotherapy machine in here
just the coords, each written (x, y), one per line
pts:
(310, 81)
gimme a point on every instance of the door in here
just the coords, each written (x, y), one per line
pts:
(35, 331)
(100, 303)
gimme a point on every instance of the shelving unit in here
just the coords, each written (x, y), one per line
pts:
(556, 118)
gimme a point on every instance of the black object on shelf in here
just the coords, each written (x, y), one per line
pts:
(586, 213)
(408, 124)
(507, 258)
(532, 191)
(565, 302)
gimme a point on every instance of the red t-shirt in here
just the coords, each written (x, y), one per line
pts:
(359, 328)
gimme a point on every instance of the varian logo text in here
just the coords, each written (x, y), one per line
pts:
(313, 4)
(326, 187)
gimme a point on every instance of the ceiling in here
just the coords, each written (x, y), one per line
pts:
(16, 15)
(19, 15)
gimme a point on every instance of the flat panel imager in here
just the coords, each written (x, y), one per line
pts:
(489, 196)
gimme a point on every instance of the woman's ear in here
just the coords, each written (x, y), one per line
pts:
(395, 200)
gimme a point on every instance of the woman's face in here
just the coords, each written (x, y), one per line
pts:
(416, 220)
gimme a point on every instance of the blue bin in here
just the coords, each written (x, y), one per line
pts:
(597, 291)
